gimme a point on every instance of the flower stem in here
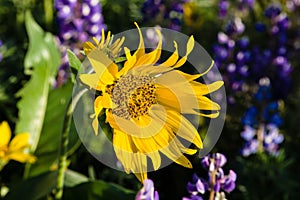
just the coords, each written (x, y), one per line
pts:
(62, 161)
(48, 8)
(260, 138)
(213, 182)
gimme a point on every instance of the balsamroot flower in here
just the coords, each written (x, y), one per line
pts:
(14, 149)
(145, 102)
(111, 50)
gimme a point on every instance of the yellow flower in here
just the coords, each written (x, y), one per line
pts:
(191, 15)
(14, 149)
(111, 50)
(145, 103)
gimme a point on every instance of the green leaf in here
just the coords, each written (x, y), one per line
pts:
(33, 188)
(73, 178)
(98, 190)
(41, 62)
(47, 149)
(74, 64)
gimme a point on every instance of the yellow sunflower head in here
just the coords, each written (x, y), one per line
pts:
(145, 103)
(14, 149)
(111, 49)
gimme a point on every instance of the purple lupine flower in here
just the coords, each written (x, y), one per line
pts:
(266, 136)
(77, 22)
(223, 8)
(147, 192)
(166, 12)
(243, 65)
(217, 181)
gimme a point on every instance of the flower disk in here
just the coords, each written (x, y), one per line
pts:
(145, 104)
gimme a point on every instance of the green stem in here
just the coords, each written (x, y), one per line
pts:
(48, 8)
(62, 161)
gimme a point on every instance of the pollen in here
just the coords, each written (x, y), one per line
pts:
(133, 96)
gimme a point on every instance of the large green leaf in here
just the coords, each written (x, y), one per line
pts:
(47, 149)
(98, 190)
(33, 188)
(41, 62)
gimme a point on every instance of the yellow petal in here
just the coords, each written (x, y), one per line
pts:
(129, 63)
(21, 157)
(141, 48)
(180, 125)
(106, 101)
(19, 142)
(91, 80)
(152, 57)
(189, 48)
(88, 47)
(204, 89)
(174, 153)
(130, 127)
(102, 38)
(5, 133)
(209, 68)
(107, 41)
(97, 108)
(189, 77)
(124, 149)
(100, 63)
(139, 166)
(207, 104)
(172, 59)
(212, 115)
(156, 159)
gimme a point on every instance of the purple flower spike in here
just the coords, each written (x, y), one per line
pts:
(147, 192)
(216, 183)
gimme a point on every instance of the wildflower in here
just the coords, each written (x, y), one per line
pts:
(14, 149)
(164, 13)
(141, 105)
(217, 182)
(147, 192)
(111, 50)
(191, 15)
(261, 128)
(77, 21)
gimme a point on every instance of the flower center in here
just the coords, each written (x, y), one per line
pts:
(133, 95)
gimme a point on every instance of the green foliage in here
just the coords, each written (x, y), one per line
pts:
(74, 64)
(41, 62)
(98, 190)
(33, 188)
(47, 149)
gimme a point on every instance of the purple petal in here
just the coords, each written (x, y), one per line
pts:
(200, 186)
(205, 162)
(232, 175)
(220, 160)
(229, 186)
(217, 187)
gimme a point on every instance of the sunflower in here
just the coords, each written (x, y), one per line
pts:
(145, 102)
(13, 150)
(112, 50)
